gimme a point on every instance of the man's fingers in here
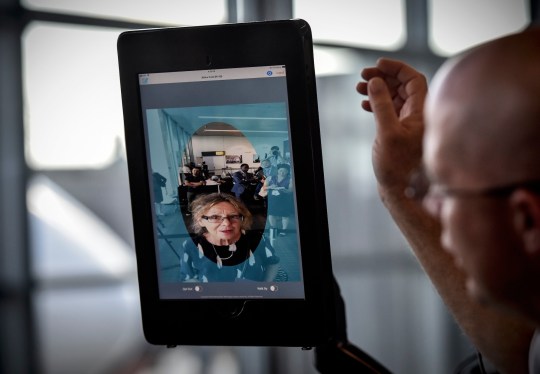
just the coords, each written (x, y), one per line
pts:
(381, 104)
(366, 106)
(371, 72)
(362, 88)
(397, 69)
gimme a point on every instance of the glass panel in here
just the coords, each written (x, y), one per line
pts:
(73, 109)
(362, 23)
(334, 61)
(178, 12)
(459, 24)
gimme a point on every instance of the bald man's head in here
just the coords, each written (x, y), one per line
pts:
(483, 111)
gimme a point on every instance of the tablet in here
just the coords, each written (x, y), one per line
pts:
(227, 186)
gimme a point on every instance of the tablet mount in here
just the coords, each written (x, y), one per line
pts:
(340, 354)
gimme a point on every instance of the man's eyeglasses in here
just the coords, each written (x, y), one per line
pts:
(219, 219)
(420, 187)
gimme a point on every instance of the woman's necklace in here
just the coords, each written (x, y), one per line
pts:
(218, 256)
(219, 260)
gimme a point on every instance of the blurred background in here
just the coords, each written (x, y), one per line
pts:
(68, 288)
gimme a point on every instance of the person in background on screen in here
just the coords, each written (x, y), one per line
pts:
(275, 157)
(244, 182)
(280, 199)
(158, 182)
(194, 182)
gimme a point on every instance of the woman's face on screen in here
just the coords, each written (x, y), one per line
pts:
(227, 231)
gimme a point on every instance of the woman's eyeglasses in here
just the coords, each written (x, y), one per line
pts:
(219, 219)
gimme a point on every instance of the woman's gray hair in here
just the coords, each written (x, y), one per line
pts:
(202, 203)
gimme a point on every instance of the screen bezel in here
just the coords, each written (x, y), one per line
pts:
(287, 322)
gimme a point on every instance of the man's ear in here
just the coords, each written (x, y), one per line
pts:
(526, 216)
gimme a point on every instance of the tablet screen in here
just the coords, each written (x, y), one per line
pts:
(222, 177)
